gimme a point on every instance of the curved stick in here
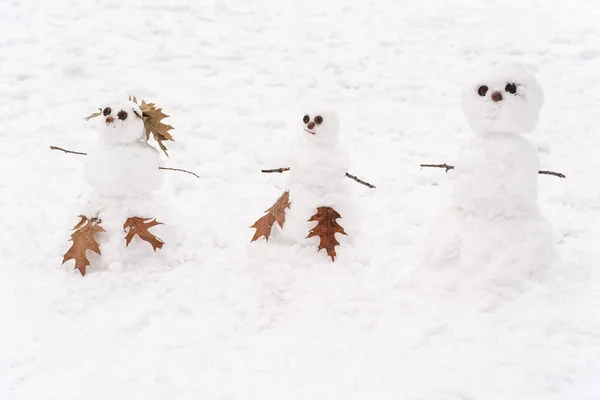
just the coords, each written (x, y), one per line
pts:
(180, 170)
(559, 174)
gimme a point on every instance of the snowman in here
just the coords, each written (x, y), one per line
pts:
(315, 197)
(122, 165)
(124, 172)
(495, 227)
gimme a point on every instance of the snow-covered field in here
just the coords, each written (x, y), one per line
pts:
(211, 316)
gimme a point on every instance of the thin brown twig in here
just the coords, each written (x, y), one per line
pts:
(85, 154)
(67, 151)
(180, 170)
(367, 184)
(278, 170)
(449, 167)
(446, 166)
(559, 174)
(284, 169)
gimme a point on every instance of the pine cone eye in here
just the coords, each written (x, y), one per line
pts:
(122, 115)
(482, 90)
(511, 88)
(318, 120)
(106, 111)
(306, 119)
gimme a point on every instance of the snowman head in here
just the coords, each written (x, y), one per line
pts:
(321, 126)
(506, 100)
(123, 123)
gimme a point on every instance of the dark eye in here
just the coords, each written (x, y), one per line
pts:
(106, 111)
(511, 88)
(482, 90)
(122, 115)
(318, 120)
(306, 119)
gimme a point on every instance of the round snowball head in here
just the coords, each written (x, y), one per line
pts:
(320, 125)
(505, 100)
(123, 122)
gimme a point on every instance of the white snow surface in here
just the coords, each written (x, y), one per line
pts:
(211, 316)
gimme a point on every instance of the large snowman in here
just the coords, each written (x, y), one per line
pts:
(124, 172)
(495, 227)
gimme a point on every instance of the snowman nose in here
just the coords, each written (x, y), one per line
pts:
(497, 96)
(311, 125)
(109, 119)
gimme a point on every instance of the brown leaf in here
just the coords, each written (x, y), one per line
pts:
(153, 116)
(139, 226)
(94, 115)
(83, 240)
(274, 214)
(326, 229)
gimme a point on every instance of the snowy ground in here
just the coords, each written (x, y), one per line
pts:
(213, 317)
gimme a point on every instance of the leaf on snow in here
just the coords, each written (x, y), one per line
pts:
(152, 117)
(83, 240)
(94, 115)
(274, 214)
(326, 229)
(139, 226)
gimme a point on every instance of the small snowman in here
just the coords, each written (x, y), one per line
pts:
(495, 227)
(315, 196)
(122, 164)
(124, 171)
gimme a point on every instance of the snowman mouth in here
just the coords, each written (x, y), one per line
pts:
(314, 133)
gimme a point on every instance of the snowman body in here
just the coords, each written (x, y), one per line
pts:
(124, 170)
(121, 164)
(495, 226)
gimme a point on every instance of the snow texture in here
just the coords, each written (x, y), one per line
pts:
(211, 316)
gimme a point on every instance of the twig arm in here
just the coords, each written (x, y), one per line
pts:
(180, 170)
(559, 174)
(67, 151)
(354, 178)
(276, 170)
(445, 166)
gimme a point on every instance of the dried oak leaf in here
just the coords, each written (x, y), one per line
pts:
(152, 117)
(83, 240)
(326, 229)
(139, 226)
(274, 214)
